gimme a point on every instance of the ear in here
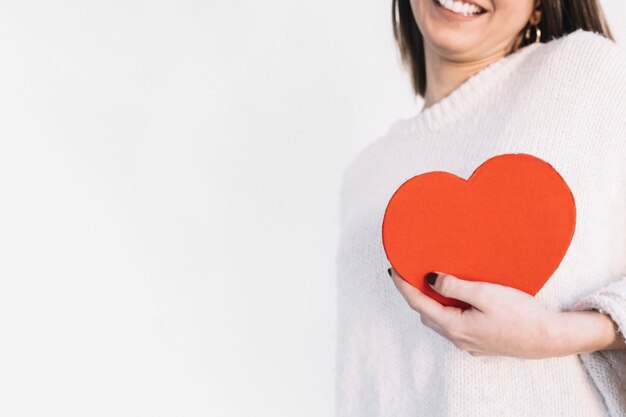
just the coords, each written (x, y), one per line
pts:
(536, 15)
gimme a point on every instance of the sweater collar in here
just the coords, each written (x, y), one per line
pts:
(467, 94)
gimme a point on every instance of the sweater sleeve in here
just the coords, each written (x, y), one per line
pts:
(607, 368)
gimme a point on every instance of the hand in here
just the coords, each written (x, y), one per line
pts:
(502, 321)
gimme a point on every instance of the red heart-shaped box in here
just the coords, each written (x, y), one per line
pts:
(509, 223)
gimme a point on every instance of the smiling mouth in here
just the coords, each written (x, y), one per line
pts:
(467, 14)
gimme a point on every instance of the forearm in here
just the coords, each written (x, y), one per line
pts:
(577, 332)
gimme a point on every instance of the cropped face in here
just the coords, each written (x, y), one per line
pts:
(471, 29)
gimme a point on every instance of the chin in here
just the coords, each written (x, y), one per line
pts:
(452, 42)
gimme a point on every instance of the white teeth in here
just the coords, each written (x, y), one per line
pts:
(465, 9)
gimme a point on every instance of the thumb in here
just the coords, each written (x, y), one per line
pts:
(472, 292)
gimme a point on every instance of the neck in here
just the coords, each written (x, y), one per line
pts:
(443, 75)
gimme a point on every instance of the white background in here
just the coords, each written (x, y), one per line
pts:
(169, 174)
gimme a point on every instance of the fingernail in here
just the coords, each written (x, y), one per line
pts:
(389, 271)
(431, 277)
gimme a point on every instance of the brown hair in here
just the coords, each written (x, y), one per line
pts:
(558, 17)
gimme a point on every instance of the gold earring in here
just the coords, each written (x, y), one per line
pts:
(537, 34)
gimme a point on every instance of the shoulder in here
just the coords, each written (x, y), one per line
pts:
(597, 51)
(581, 73)
(590, 72)
(583, 38)
(367, 159)
(586, 56)
(580, 43)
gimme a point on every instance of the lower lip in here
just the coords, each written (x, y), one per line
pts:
(457, 16)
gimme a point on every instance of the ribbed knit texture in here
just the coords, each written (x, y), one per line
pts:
(563, 101)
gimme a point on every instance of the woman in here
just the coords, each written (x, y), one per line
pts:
(497, 76)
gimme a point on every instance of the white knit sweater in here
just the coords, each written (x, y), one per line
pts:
(563, 101)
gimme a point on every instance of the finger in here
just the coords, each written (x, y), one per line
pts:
(418, 301)
(478, 294)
